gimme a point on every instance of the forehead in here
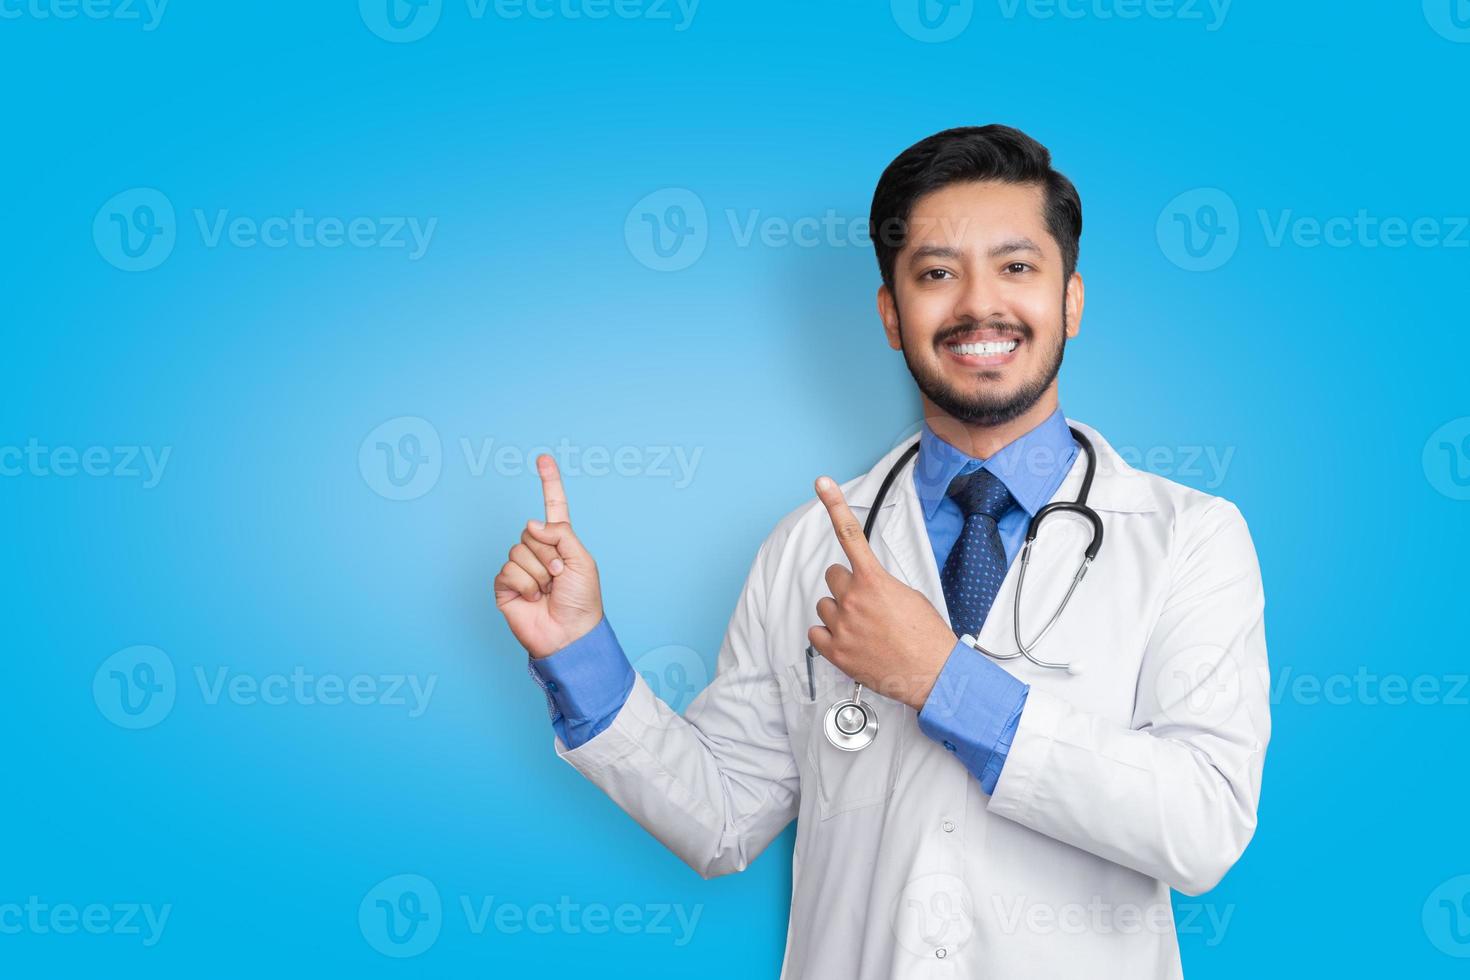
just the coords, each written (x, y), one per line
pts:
(979, 212)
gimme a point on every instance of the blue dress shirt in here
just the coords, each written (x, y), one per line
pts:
(975, 706)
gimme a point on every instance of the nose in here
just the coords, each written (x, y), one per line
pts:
(980, 300)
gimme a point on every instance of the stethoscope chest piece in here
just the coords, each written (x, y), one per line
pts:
(851, 723)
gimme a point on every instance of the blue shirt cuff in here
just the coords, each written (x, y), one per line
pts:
(586, 683)
(974, 710)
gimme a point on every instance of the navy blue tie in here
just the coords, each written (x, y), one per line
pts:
(977, 563)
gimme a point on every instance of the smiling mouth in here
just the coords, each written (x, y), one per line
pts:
(984, 348)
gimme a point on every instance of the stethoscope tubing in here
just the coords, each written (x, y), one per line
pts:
(862, 736)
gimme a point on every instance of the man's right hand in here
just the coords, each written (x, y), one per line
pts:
(549, 591)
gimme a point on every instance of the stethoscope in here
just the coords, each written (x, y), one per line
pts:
(852, 723)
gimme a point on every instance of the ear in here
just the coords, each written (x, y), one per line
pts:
(888, 313)
(1074, 300)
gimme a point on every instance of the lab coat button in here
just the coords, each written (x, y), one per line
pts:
(948, 826)
(941, 952)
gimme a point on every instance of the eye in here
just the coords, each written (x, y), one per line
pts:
(935, 275)
(1016, 268)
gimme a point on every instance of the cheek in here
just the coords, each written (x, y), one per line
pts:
(1042, 315)
(923, 316)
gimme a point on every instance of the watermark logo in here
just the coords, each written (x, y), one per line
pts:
(1449, 18)
(400, 21)
(135, 688)
(1199, 230)
(933, 21)
(401, 916)
(402, 458)
(135, 230)
(667, 230)
(1446, 917)
(675, 674)
(1446, 459)
(1199, 686)
(934, 915)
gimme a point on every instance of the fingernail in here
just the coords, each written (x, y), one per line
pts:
(824, 483)
(538, 525)
(556, 566)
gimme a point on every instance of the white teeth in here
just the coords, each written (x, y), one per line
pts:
(986, 349)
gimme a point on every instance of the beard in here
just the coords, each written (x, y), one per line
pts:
(985, 407)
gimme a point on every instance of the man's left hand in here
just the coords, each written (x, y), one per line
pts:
(881, 633)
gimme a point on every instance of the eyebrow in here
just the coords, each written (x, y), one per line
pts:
(1008, 247)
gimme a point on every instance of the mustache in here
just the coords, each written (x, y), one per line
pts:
(1011, 326)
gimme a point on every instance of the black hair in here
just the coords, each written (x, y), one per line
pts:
(964, 154)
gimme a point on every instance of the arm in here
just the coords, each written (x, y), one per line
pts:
(718, 784)
(1172, 795)
(715, 786)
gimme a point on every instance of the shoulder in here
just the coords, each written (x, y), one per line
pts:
(1124, 487)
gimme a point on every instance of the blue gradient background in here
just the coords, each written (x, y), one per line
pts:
(529, 320)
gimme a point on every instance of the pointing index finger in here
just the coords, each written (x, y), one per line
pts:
(845, 524)
(551, 490)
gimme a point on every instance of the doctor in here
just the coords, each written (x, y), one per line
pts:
(1006, 819)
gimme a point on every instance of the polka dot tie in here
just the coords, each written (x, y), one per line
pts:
(977, 563)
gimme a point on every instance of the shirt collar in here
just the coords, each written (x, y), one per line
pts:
(1031, 467)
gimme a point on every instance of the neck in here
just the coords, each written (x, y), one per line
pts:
(984, 441)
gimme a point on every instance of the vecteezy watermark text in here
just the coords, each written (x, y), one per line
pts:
(405, 21)
(137, 687)
(120, 462)
(148, 13)
(403, 915)
(39, 918)
(1200, 230)
(1368, 687)
(137, 229)
(403, 458)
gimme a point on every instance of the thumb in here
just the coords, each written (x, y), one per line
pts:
(559, 535)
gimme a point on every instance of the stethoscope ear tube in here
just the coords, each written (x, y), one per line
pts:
(1093, 547)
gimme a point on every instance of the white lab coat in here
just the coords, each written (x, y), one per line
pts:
(1138, 774)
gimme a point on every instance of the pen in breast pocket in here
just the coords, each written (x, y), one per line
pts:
(811, 681)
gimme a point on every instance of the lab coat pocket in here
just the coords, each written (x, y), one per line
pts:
(850, 780)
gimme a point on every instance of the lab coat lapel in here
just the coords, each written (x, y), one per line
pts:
(907, 540)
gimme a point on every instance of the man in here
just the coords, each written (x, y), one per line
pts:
(1007, 819)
